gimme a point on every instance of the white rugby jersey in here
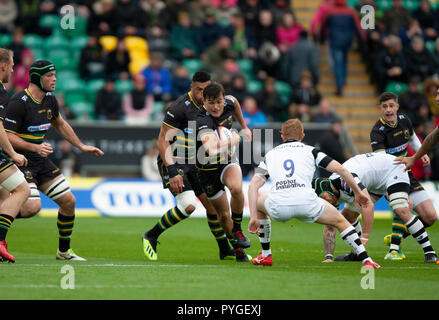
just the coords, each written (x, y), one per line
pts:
(376, 171)
(290, 167)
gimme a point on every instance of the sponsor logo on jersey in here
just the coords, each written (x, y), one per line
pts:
(170, 114)
(49, 114)
(286, 184)
(406, 134)
(397, 149)
(41, 127)
(10, 120)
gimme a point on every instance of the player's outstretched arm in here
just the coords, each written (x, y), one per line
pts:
(67, 132)
(430, 141)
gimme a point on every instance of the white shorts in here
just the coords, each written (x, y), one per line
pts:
(419, 196)
(307, 212)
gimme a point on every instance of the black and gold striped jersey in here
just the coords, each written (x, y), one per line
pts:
(4, 99)
(206, 122)
(392, 139)
(30, 119)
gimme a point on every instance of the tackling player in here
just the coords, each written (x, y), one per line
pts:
(29, 116)
(376, 173)
(216, 169)
(392, 134)
(427, 146)
(291, 167)
(11, 179)
(178, 169)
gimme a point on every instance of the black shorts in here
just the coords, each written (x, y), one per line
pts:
(188, 172)
(414, 183)
(40, 170)
(211, 180)
(5, 161)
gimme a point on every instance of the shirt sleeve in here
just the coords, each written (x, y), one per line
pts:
(377, 141)
(322, 159)
(55, 107)
(4, 99)
(262, 169)
(14, 116)
(174, 117)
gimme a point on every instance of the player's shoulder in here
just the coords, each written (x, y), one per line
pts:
(404, 120)
(204, 120)
(20, 97)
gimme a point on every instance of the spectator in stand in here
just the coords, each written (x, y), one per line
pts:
(342, 22)
(117, 62)
(17, 45)
(91, 61)
(324, 113)
(268, 62)
(198, 9)
(239, 87)
(302, 112)
(288, 32)
(169, 15)
(279, 8)
(319, 34)
(429, 89)
(183, 38)
(331, 144)
(130, 19)
(304, 55)
(253, 116)
(225, 10)
(180, 82)
(428, 19)
(216, 54)
(390, 64)
(407, 33)
(411, 100)
(20, 77)
(376, 43)
(209, 31)
(397, 17)
(251, 9)
(138, 105)
(9, 13)
(108, 105)
(243, 40)
(269, 101)
(102, 18)
(266, 31)
(158, 78)
(152, 9)
(419, 60)
(306, 93)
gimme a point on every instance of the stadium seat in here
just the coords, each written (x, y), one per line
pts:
(284, 90)
(79, 28)
(430, 45)
(434, 4)
(70, 85)
(51, 21)
(82, 108)
(411, 5)
(39, 54)
(32, 41)
(384, 4)
(192, 65)
(108, 43)
(352, 3)
(56, 42)
(157, 111)
(74, 97)
(92, 88)
(396, 87)
(254, 86)
(123, 86)
(5, 40)
(78, 42)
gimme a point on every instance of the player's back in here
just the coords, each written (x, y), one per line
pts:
(291, 167)
(373, 169)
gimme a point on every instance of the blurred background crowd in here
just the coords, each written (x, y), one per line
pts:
(127, 60)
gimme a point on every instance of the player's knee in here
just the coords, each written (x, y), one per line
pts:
(22, 190)
(430, 218)
(67, 202)
(186, 202)
(236, 190)
(30, 208)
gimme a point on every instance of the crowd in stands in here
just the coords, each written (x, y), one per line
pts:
(127, 60)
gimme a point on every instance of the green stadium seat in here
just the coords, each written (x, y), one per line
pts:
(192, 65)
(75, 97)
(434, 4)
(56, 42)
(5, 40)
(411, 5)
(284, 90)
(430, 45)
(51, 21)
(123, 86)
(92, 88)
(82, 108)
(33, 41)
(157, 111)
(39, 54)
(384, 4)
(352, 3)
(254, 86)
(79, 28)
(78, 42)
(396, 87)
(71, 85)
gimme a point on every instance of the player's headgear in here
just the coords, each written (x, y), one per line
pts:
(323, 185)
(37, 71)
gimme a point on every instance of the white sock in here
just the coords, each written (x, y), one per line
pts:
(265, 236)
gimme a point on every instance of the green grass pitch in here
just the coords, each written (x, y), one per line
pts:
(189, 267)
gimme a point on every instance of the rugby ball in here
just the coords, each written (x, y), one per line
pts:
(225, 134)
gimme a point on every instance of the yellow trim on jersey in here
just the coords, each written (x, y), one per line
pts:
(192, 100)
(388, 124)
(6, 166)
(28, 136)
(380, 150)
(169, 125)
(30, 96)
(185, 139)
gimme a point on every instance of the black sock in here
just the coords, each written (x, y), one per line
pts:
(218, 232)
(237, 219)
(65, 229)
(5, 224)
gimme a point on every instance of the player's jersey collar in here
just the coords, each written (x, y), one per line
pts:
(30, 96)
(388, 124)
(192, 100)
